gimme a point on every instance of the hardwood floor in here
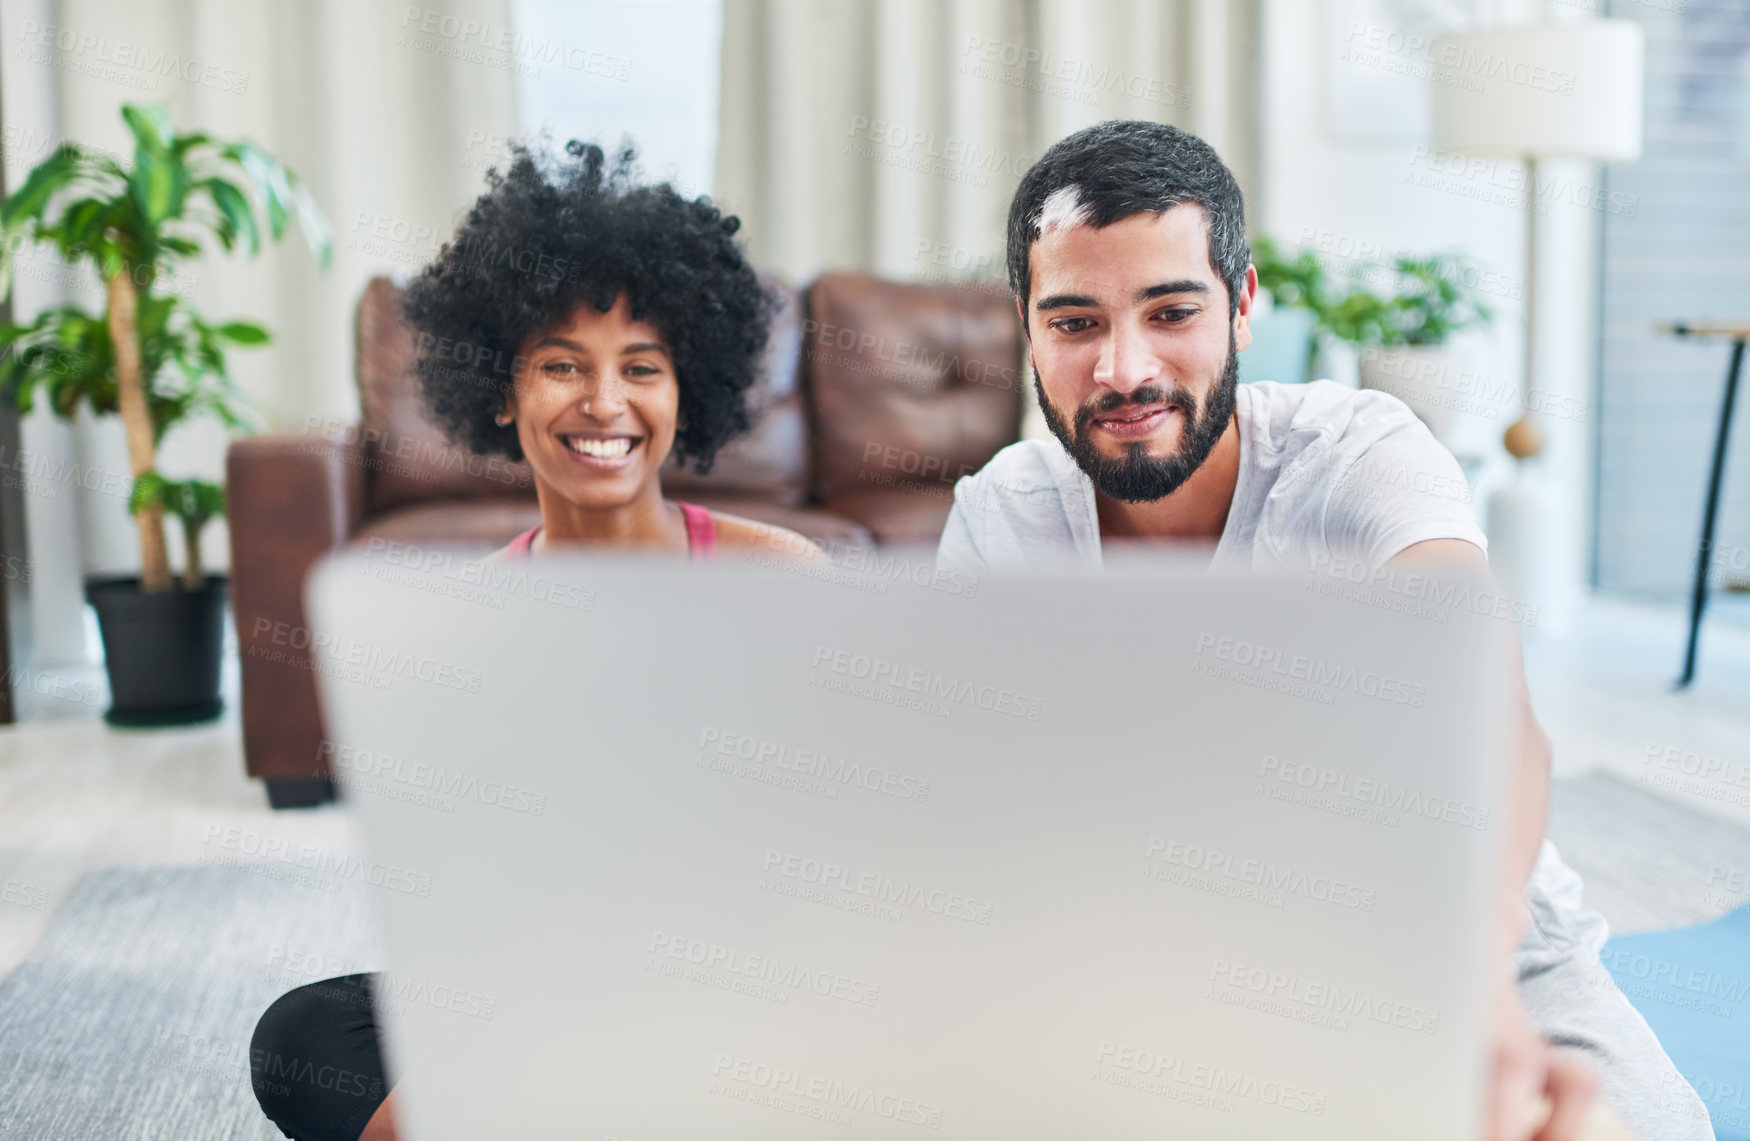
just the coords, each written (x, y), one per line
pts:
(1604, 694)
(76, 794)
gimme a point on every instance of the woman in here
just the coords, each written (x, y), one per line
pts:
(592, 327)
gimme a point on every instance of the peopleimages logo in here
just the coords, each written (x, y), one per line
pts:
(878, 888)
(1626, 963)
(1218, 1081)
(1211, 869)
(305, 864)
(1449, 593)
(928, 684)
(810, 766)
(377, 662)
(1313, 671)
(1373, 793)
(765, 968)
(827, 1093)
(1278, 992)
(452, 573)
(379, 772)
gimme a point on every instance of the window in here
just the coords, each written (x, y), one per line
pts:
(600, 70)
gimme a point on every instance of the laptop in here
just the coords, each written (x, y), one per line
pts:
(758, 850)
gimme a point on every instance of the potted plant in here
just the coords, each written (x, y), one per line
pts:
(1298, 283)
(1401, 337)
(150, 358)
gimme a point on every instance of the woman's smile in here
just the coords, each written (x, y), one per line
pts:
(601, 451)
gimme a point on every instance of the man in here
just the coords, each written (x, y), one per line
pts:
(1128, 258)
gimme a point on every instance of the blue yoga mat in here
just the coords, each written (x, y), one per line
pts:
(1692, 985)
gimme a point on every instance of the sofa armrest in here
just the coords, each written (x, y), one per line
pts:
(290, 499)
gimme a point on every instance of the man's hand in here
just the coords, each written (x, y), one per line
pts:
(1538, 1095)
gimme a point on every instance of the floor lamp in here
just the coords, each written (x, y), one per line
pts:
(1570, 90)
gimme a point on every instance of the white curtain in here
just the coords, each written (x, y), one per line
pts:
(889, 135)
(884, 135)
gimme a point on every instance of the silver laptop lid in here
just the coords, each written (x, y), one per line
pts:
(741, 852)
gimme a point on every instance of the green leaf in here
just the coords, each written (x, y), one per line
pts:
(150, 124)
(186, 143)
(152, 317)
(82, 223)
(194, 501)
(243, 333)
(281, 193)
(140, 221)
(316, 232)
(57, 172)
(269, 180)
(159, 185)
(25, 205)
(150, 490)
(236, 210)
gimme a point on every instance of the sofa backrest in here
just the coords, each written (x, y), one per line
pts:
(912, 386)
(407, 458)
(770, 462)
(410, 461)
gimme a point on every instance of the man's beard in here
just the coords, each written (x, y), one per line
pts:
(1138, 477)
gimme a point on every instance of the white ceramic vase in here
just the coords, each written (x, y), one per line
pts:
(1425, 377)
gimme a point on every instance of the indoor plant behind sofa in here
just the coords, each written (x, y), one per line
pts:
(149, 357)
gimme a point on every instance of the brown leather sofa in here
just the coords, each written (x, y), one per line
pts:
(875, 397)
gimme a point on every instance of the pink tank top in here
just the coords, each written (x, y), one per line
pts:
(701, 535)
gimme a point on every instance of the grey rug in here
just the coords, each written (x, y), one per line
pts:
(131, 1018)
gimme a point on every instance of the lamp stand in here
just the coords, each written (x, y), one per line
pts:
(1519, 511)
(1522, 438)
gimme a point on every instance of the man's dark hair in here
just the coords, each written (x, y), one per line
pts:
(551, 235)
(1125, 167)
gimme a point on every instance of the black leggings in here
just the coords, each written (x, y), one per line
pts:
(314, 1060)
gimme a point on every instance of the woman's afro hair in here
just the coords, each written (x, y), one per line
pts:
(551, 235)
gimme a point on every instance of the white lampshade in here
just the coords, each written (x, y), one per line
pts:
(1549, 91)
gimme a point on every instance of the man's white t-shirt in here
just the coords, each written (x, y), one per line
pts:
(1324, 471)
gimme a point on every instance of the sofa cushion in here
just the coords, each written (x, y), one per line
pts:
(911, 387)
(771, 461)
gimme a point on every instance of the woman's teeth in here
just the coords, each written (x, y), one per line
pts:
(601, 449)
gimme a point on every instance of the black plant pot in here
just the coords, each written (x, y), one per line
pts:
(162, 650)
